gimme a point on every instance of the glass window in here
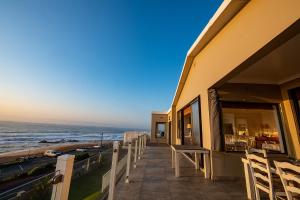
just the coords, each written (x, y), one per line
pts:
(196, 123)
(251, 125)
(189, 127)
(160, 130)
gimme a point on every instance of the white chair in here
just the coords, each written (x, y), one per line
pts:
(290, 178)
(261, 173)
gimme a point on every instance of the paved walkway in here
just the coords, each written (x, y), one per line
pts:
(154, 179)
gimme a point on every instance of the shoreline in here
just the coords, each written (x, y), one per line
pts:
(39, 151)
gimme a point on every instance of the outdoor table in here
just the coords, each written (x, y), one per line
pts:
(193, 149)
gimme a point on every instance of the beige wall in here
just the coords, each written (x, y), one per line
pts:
(290, 118)
(251, 29)
(158, 118)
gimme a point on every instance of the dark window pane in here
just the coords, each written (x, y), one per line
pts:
(195, 123)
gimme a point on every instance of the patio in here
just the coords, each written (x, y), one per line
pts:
(155, 179)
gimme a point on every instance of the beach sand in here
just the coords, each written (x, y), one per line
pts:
(14, 155)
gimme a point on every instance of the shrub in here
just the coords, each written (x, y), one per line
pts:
(81, 156)
(41, 169)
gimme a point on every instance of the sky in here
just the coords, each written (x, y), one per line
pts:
(94, 62)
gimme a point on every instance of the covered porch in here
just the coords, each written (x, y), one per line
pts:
(154, 178)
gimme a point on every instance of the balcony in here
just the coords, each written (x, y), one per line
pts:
(153, 178)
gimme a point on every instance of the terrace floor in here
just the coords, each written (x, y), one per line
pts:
(155, 179)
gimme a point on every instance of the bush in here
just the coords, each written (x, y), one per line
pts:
(81, 156)
(41, 169)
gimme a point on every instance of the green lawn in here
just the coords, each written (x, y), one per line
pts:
(88, 186)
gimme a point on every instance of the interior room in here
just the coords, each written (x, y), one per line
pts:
(254, 102)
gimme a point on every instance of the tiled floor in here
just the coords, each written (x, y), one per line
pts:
(154, 179)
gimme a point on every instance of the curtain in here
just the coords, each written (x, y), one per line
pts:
(179, 122)
(196, 122)
(215, 119)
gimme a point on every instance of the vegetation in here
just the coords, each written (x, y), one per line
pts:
(36, 171)
(41, 169)
(88, 186)
(81, 156)
(40, 191)
(94, 196)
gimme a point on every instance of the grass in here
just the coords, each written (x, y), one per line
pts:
(94, 196)
(88, 186)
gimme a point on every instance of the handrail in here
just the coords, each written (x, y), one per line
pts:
(25, 184)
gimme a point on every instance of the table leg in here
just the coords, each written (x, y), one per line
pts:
(176, 164)
(173, 159)
(196, 161)
(206, 166)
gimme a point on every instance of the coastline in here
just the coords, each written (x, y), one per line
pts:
(39, 151)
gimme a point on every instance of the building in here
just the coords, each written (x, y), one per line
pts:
(240, 86)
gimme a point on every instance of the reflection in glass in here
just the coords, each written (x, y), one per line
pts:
(255, 126)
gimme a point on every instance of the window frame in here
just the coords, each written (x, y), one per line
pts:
(181, 134)
(295, 107)
(156, 130)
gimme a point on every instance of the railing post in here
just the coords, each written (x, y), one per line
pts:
(145, 141)
(112, 182)
(140, 146)
(135, 152)
(99, 158)
(64, 166)
(128, 162)
(88, 165)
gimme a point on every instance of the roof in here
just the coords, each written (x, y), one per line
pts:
(159, 113)
(227, 10)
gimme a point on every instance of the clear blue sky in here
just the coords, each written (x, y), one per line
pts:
(102, 62)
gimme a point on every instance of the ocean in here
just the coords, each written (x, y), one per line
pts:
(18, 135)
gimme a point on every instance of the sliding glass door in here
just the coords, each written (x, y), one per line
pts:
(189, 124)
(295, 95)
(196, 123)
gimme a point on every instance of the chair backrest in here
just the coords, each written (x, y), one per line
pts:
(290, 178)
(258, 151)
(261, 174)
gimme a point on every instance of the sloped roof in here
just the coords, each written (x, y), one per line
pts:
(227, 10)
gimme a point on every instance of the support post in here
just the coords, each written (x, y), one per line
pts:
(135, 152)
(113, 171)
(128, 162)
(140, 146)
(64, 166)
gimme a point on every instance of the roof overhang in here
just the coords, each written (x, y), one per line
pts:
(227, 10)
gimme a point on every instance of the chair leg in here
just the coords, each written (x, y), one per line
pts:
(257, 193)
